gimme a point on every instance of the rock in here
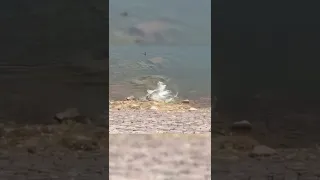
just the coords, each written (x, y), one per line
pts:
(192, 109)
(130, 98)
(186, 101)
(72, 114)
(153, 108)
(69, 113)
(262, 150)
(134, 106)
(241, 126)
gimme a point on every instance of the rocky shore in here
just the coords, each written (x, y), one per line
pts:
(62, 151)
(136, 117)
(160, 156)
(285, 146)
(242, 157)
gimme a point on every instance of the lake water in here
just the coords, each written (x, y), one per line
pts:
(53, 57)
(176, 32)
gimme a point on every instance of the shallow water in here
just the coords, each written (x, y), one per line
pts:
(177, 31)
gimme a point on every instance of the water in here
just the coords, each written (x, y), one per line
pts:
(178, 31)
(52, 59)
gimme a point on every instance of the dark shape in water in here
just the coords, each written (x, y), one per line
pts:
(133, 31)
(124, 14)
(151, 32)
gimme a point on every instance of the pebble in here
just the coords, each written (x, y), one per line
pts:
(262, 150)
(69, 113)
(153, 108)
(130, 98)
(244, 124)
(192, 109)
(186, 101)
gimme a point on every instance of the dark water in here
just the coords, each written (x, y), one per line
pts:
(53, 56)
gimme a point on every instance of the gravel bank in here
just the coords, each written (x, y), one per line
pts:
(152, 121)
(179, 157)
(236, 158)
(53, 164)
(286, 165)
(60, 151)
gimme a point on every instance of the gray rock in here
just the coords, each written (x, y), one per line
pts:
(193, 109)
(244, 124)
(72, 114)
(186, 101)
(262, 150)
(69, 113)
(130, 98)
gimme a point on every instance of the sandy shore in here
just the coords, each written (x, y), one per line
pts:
(131, 117)
(161, 156)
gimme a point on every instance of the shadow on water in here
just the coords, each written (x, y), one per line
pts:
(53, 56)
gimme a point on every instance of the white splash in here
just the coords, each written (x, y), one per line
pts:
(161, 94)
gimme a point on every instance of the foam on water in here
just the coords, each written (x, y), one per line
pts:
(161, 94)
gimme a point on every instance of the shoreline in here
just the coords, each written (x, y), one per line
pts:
(135, 117)
(159, 106)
